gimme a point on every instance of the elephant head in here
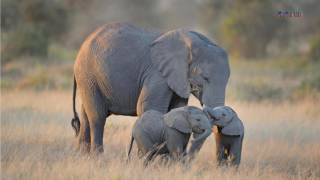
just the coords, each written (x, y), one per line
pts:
(189, 119)
(191, 63)
(227, 118)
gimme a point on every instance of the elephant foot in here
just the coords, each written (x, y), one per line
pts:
(84, 148)
(96, 150)
(222, 163)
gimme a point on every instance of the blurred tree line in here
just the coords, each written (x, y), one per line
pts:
(254, 28)
(28, 27)
(247, 28)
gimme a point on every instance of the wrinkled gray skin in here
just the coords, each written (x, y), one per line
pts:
(228, 133)
(171, 130)
(121, 69)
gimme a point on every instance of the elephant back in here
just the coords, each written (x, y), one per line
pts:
(106, 40)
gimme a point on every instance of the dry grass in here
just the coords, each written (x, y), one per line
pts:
(37, 142)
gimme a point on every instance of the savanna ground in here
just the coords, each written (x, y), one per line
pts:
(274, 99)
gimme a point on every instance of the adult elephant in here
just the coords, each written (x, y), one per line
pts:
(121, 69)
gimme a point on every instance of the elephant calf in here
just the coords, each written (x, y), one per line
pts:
(229, 132)
(158, 133)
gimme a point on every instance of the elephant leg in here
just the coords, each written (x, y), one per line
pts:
(156, 149)
(235, 153)
(177, 143)
(144, 145)
(177, 102)
(145, 148)
(155, 95)
(97, 129)
(97, 112)
(221, 156)
(84, 135)
(220, 151)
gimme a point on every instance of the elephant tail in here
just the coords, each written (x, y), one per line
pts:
(130, 147)
(75, 122)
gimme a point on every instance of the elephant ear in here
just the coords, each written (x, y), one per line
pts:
(178, 119)
(170, 54)
(234, 128)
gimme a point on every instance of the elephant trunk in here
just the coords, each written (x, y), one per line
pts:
(203, 136)
(210, 113)
(214, 96)
(198, 142)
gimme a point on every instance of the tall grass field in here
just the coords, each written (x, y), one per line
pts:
(277, 100)
(37, 142)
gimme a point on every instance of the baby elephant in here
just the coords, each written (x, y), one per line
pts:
(158, 133)
(228, 134)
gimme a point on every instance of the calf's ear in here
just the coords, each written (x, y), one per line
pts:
(178, 120)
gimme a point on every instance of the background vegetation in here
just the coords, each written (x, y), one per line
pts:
(274, 86)
(44, 35)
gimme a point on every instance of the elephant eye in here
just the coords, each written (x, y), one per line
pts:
(197, 119)
(223, 114)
